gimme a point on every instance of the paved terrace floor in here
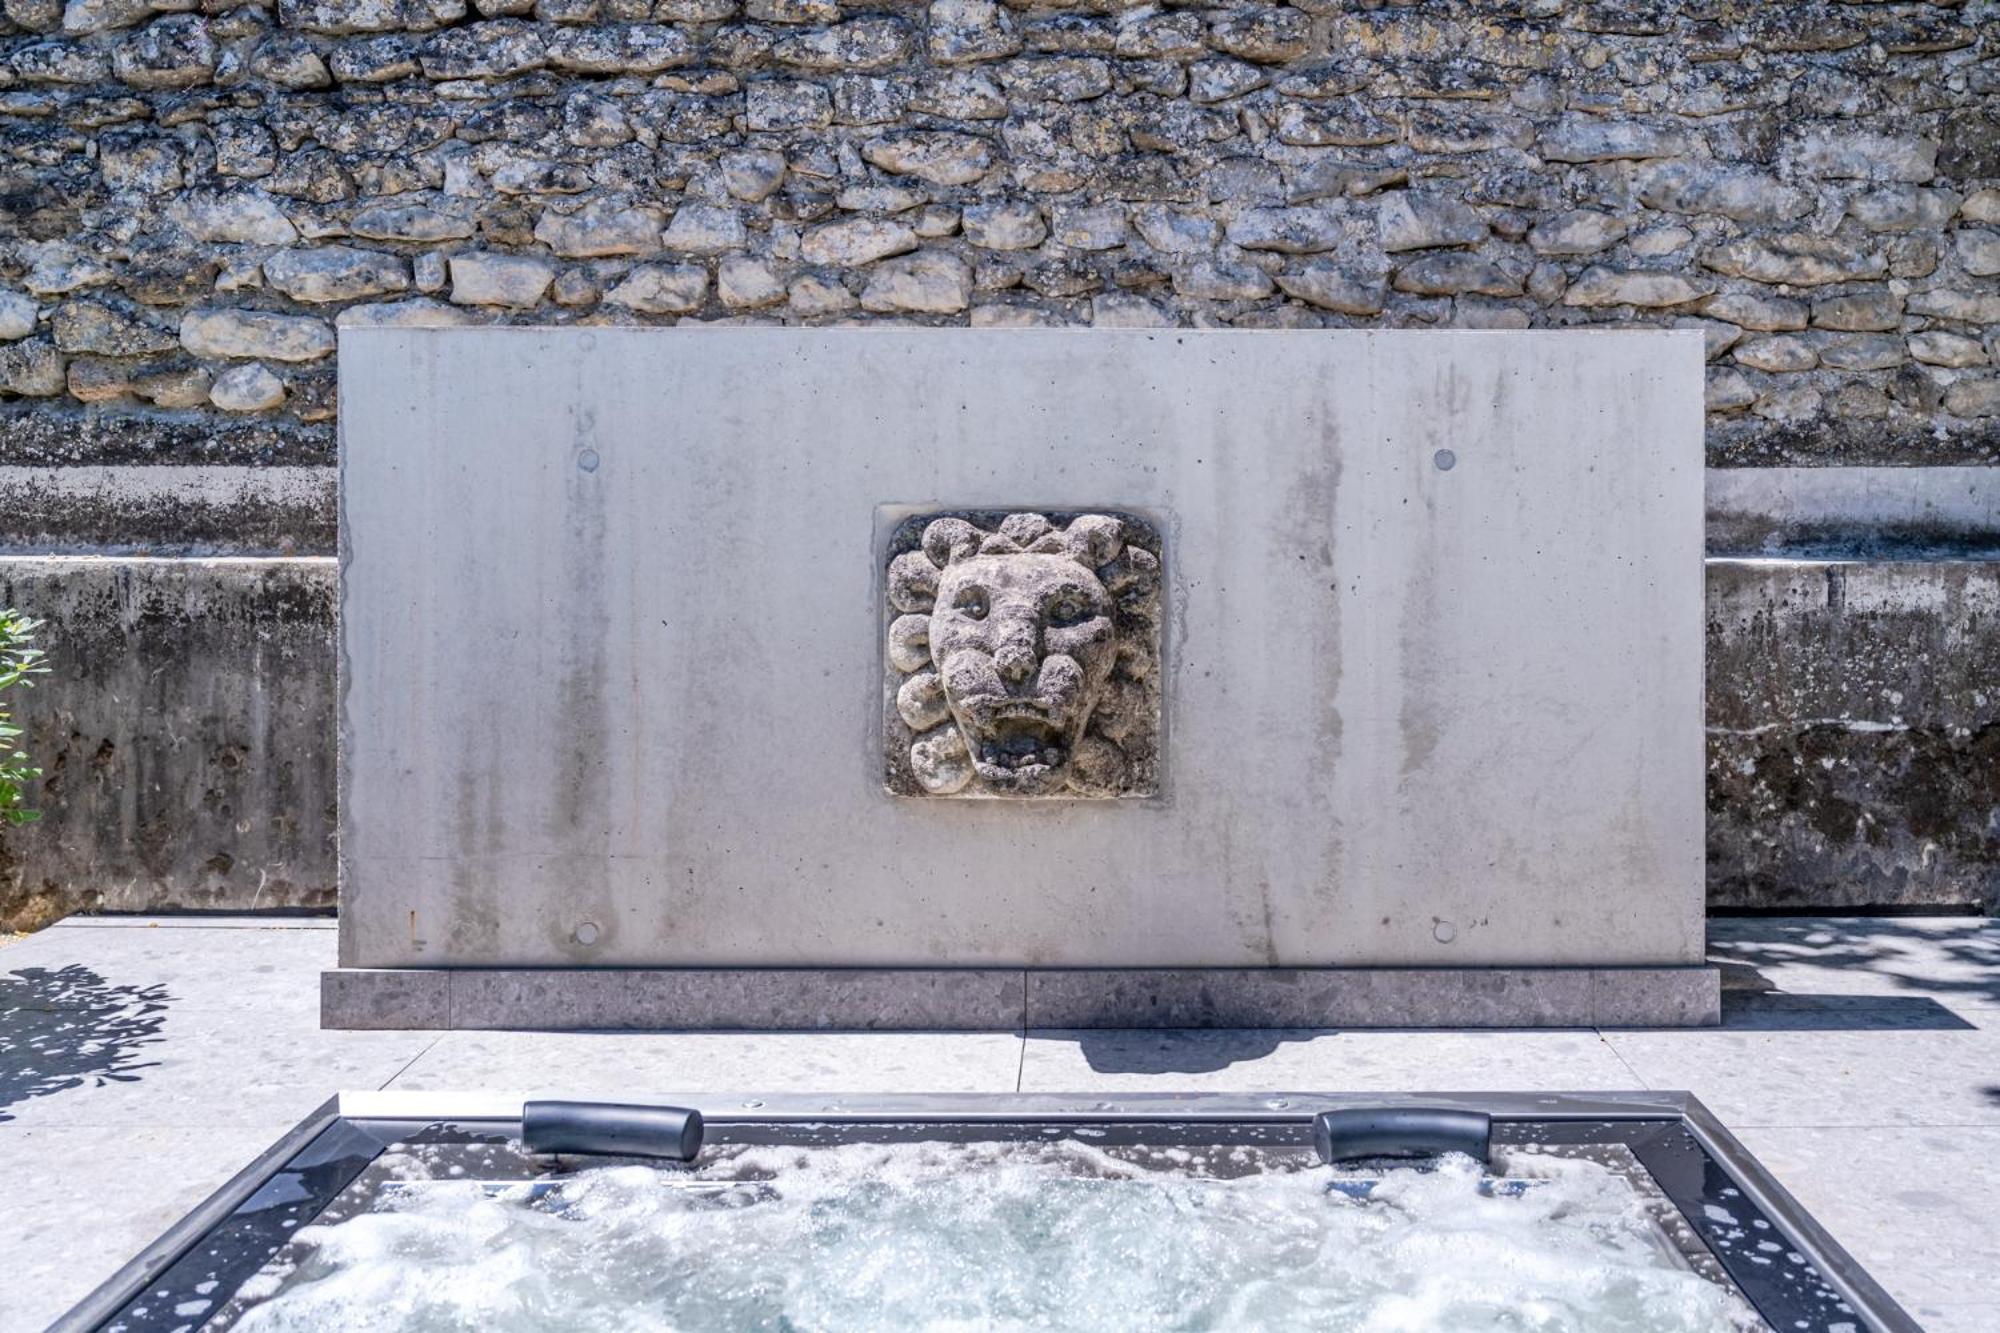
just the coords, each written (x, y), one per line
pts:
(143, 1061)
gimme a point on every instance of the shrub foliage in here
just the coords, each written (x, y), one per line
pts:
(20, 661)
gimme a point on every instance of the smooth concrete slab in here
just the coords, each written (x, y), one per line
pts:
(612, 649)
(985, 999)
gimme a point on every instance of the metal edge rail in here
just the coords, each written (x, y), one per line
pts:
(1052, 1108)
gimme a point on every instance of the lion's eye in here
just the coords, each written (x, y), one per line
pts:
(1068, 610)
(972, 603)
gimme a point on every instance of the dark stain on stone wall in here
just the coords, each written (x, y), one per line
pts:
(1854, 735)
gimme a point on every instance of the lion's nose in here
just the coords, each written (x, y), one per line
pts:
(1015, 660)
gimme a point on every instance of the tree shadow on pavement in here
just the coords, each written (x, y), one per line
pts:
(1864, 973)
(62, 1028)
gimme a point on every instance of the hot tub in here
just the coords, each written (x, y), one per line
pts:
(422, 1211)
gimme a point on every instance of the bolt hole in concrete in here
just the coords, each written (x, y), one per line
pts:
(586, 933)
(587, 460)
(1445, 459)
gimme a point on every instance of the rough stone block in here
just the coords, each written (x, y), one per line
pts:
(502, 280)
(255, 333)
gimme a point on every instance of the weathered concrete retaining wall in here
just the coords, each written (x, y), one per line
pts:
(186, 727)
(1854, 735)
(168, 510)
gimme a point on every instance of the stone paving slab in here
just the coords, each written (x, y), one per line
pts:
(143, 1063)
(196, 1069)
(1869, 1077)
(1916, 1206)
(605, 1064)
(82, 1201)
(194, 963)
(1956, 1317)
(1953, 960)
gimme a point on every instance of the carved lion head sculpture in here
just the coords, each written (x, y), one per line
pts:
(1025, 656)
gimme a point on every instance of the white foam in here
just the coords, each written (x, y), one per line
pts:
(1061, 1235)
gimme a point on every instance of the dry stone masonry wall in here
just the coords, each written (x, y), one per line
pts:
(195, 192)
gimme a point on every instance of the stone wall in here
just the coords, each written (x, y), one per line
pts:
(194, 191)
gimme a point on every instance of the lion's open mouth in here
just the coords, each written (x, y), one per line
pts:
(1019, 746)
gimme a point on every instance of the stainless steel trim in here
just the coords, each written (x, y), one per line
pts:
(1061, 1108)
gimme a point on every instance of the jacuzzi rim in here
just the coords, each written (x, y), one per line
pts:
(397, 1112)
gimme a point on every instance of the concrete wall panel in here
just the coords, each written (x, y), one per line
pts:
(612, 655)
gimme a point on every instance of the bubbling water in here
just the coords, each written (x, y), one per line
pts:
(1057, 1235)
